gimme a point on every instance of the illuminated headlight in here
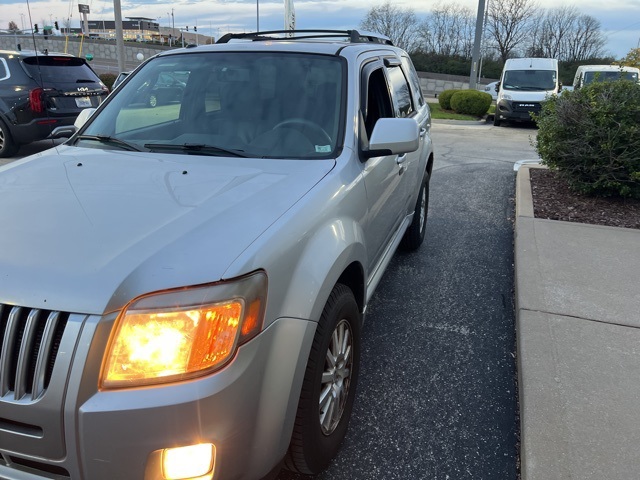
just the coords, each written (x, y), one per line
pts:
(178, 334)
(188, 462)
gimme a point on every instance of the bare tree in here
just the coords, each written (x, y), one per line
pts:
(448, 30)
(557, 29)
(399, 24)
(13, 27)
(566, 34)
(508, 24)
(587, 40)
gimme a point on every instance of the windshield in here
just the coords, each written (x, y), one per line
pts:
(611, 75)
(530, 80)
(271, 105)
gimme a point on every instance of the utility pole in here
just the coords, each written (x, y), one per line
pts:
(117, 11)
(475, 55)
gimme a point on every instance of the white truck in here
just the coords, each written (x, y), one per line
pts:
(524, 85)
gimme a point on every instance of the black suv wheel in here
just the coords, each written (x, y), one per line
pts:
(7, 145)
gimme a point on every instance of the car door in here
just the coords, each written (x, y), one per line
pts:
(416, 107)
(384, 176)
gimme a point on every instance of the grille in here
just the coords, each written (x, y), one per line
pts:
(29, 341)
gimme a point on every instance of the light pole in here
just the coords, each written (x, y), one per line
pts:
(257, 15)
(22, 18)
(475, 54)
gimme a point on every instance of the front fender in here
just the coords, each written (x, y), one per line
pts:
(336, 246)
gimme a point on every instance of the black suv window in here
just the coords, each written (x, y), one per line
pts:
(59, 69)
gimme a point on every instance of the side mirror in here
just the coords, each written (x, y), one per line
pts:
(498, 87)
(393, 136)
(83, 117)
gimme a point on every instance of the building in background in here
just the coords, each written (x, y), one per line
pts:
(139, 29)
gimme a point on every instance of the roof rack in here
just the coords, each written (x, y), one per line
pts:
(353, 35)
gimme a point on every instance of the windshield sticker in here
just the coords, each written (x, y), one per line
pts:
(323, 148)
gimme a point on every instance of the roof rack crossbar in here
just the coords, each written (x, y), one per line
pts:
(353, 35)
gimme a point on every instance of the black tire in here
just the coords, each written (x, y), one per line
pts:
(8, 147)
(496, 120)
(414, 236)
(314, 442)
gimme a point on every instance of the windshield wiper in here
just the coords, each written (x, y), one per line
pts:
(106, 139)
(196, 147)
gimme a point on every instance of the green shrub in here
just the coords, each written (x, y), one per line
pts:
(591, 137)
(444, 98)
(471, 102)
(108, 79)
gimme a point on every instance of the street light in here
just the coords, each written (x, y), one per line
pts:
(22, 18)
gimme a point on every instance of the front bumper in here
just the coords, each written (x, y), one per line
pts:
(513, 110)
(246, 410)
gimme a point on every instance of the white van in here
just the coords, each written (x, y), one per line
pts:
(524, 85)
(600, 73)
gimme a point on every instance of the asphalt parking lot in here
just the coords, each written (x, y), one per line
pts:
(437, 397)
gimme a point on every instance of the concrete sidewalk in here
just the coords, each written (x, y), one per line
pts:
(578, 338)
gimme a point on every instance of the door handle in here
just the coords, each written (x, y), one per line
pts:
(423, 132)
(401, 161)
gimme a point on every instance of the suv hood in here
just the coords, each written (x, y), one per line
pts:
(86, 230)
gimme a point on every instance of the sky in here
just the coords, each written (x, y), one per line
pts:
(619, 19)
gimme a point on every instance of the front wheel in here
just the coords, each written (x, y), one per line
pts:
(329, 385)
(496, 120)
(414, 236)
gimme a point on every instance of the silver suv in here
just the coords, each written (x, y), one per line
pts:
(183, 288)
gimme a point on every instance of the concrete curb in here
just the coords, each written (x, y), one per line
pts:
(577, 332)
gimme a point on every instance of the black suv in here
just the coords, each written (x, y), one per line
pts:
(41, 94)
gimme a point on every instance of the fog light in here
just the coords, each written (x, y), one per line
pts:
(188, 462)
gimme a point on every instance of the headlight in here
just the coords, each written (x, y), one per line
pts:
(505, 96)
(178, 334)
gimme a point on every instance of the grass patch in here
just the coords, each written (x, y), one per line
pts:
(438, 113)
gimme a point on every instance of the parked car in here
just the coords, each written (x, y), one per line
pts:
(183, 290)
(492, 89)
(165, 88)
(120, 78)
(41, 94)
